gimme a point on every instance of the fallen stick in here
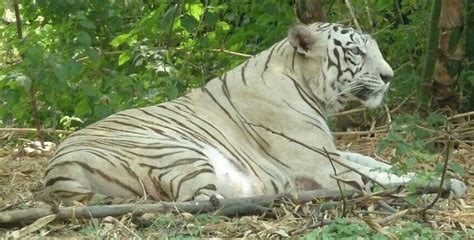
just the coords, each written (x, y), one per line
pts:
(34, 130)
(356, 133)
(226, 207)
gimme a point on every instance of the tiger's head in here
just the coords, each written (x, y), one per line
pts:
(352, 66)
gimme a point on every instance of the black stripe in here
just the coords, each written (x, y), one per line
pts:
(218, 141)
(268, 58)
(305, 96)
(293, 60)
(101, 174)
(210, 187)
(158, 156)
(281, 45)
(180, 162)
(52, 181)
(242, 72)
(275, 188)
(315, 122)
(190, 176)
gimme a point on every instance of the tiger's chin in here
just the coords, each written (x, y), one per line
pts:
(375, 98)
(373, 101)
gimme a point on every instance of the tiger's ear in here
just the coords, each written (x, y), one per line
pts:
(302, 38)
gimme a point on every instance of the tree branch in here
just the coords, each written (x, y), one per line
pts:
(34, 130)
(228, 207)
(18, 19)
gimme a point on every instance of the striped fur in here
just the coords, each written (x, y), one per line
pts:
(258, 129)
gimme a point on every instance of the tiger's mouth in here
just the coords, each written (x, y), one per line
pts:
(363, 93)
(370, 96)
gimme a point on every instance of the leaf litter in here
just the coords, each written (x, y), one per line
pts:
(22, 169)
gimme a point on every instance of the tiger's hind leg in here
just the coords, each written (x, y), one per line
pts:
(83, 176)
(70, 198)
(202, 173)
(185, 174)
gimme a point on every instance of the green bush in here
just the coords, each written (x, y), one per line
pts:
(88, 59)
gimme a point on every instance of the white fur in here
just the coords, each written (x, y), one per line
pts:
(228, 177)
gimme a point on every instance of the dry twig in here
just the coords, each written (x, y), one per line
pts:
(351, 10)
(34, 130)
(344, 202)
(227, 207)
(358, 133)
(443, 174)
(221, 50)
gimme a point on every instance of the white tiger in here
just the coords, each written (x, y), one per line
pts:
(258, 129)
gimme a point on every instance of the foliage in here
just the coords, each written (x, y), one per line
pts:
(88, 59)
(344, 229)
(410, 140)
(170, 225)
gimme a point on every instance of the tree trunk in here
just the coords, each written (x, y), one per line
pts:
(432, 45)
(310, 11)
(469, 54)
(469, 41)
(448, 67)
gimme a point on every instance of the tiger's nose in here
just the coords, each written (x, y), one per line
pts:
(386, 72)
(386, 77)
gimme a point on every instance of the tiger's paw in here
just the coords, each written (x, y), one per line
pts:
(458, 188)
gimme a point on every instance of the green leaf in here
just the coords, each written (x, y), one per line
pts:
(61, 72)
(7, 117)
(435, 119)
(172, 92)
(169, 16)
(383, 145)
(211, 18)
(223, 25)
(119, 40)
(82, 108)
(12, 96)
(457, 168)
(83, 38)
(87, 24)
(35, 55)
(470, 79)
(102, 111)
(24, 81)
(412, 198)
(93, 56)
(124, 57)
(411, 162)
(196, 10)
(189, 23)
(402, 148)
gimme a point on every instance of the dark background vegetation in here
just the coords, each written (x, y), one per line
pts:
(80, 60)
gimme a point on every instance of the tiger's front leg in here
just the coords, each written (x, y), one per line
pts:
(363, 160)
(378, 171)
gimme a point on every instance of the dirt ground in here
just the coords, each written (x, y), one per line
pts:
(22, 168)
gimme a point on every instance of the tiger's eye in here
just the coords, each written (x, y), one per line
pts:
(357, 51)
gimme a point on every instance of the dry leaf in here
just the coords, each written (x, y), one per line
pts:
(376, 227)
(35, 226)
